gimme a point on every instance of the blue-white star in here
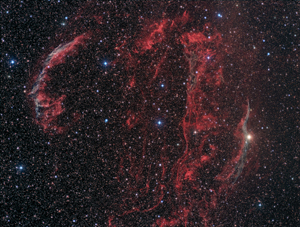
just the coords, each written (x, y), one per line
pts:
(20, 168)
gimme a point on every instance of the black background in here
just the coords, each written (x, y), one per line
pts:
(33, 196)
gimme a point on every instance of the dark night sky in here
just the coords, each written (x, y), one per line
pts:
(33, 194)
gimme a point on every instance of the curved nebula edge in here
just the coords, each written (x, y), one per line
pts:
(169, 69)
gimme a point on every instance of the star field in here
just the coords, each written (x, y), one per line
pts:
(121, 146)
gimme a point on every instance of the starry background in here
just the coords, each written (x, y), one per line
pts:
(31, 195)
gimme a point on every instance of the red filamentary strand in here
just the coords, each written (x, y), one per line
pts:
(188, 176)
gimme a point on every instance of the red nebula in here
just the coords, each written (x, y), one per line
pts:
(183, 168)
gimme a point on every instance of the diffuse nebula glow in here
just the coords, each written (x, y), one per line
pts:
(47, 107)
(181, 168)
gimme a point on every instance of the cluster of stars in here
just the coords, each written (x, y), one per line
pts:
(16, 58)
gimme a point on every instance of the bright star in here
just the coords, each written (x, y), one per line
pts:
(106, 120)
(105, 63)
(12, 62)
(219, 15)
(162, 85)
(159, 122)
